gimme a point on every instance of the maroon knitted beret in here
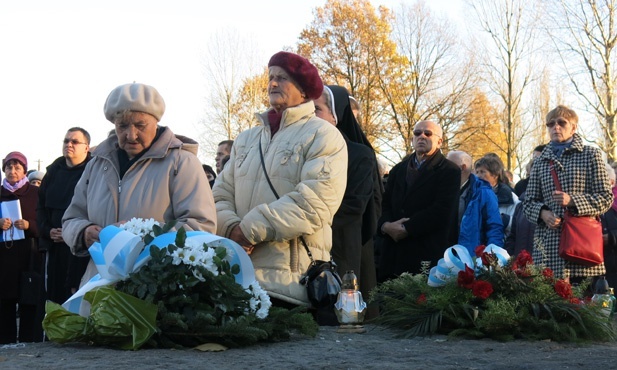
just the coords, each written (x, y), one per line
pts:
(18, 157)
(301, 70)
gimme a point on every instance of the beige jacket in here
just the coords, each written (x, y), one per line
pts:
(307, 163)
(167, 183)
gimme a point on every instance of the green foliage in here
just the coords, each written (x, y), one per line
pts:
(198, 305)
(524, 304)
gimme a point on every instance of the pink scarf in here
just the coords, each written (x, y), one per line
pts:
(13, 188)
(614, 206)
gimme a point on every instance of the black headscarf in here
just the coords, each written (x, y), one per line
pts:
(346, 121)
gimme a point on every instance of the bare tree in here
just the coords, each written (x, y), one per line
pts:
(510, 26)
(228, 59)
(586, 38)
(432, 77)
(542, 96)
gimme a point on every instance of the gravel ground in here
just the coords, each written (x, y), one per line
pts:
(378, 348)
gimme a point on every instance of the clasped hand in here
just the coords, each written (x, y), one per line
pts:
(238, 236)
(20, 224)
(55, 234)
(396, 230)
(550, 219)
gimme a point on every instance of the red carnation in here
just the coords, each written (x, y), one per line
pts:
(466, 278)
(489, 259)
(547, 273)
(523, 259)
(421, 299)
(563, 288)
(479, 250)
(482, 289)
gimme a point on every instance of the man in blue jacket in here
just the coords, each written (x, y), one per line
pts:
(478, 217)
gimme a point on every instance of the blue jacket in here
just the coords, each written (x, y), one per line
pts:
(481, 223)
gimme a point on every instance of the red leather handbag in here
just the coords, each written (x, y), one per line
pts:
(581, 236)
(581, 240)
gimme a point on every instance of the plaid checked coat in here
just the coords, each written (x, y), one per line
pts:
(582, 174)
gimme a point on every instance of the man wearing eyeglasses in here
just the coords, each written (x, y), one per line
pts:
(141, 170)
(63, 270)
(420, 206)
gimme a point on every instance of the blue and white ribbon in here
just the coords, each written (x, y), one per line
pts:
(121, 253)
(454, 260)
(502, 255)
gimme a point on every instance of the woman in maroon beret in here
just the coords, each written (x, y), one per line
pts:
(304, 158)
(15, 255)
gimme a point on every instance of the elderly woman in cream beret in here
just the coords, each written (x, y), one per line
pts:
(141, 170)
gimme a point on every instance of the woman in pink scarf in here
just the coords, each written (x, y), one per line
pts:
(15, 255)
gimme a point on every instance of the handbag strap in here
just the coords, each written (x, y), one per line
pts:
(554, 174)
(263, 165)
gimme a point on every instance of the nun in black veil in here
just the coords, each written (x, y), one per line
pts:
(355, 222)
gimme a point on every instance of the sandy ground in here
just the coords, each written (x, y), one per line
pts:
(378, 348)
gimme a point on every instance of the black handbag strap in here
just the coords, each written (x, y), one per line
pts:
(263, 165)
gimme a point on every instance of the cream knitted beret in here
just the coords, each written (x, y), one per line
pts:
(134, 97)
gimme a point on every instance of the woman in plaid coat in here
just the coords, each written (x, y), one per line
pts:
(586, 192)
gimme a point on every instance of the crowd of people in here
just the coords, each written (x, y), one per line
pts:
(303, 185)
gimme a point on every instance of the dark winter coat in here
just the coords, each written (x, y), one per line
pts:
(15, 255)
(609, 227)
(55, 195)
(347, 223)
(521, 234)
(355, 222)
(431, 204)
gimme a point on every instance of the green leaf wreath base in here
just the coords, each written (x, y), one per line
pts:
(519, 308)
(174, 305)
(210, 311)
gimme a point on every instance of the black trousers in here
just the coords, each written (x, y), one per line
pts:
(29, 327)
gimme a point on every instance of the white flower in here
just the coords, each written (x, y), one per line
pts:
(178, 256)
(191, 257)
(208, 262)
(139, 226)
(260, 302)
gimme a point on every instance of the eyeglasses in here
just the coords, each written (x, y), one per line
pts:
(561, 122)
(72, 141)
(427, 133)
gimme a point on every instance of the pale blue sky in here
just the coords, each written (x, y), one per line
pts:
(60, 59)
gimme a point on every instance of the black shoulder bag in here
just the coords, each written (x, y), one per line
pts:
(321, 279)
